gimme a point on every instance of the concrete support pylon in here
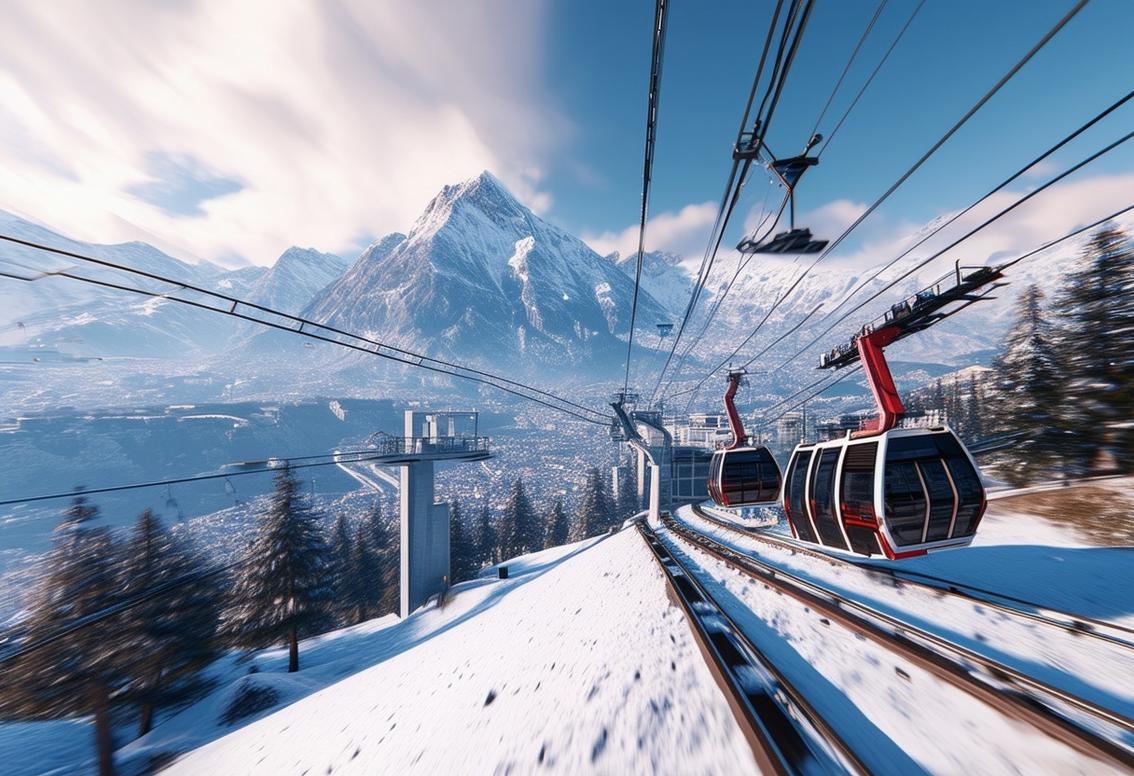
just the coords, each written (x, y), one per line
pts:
(640, 456)
(655, 495)
(424, 537)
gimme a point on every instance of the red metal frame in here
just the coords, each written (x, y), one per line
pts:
(890, 407)
(734, 423)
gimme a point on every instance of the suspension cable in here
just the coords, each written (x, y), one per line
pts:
(1046, 246)
(1000, 186)
(359, 456)
(709, 257)
(759, 129)
(925, 156)
(850, 61)
(696, 389)
(870, 78)
(647, 167)
(822, 113)
(992, 219)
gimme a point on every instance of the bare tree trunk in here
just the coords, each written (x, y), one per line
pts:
(146, 714)
(293, 650)
(104, 738)
(145, 719)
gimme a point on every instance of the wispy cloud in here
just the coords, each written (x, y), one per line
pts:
(683, 232)
(334, 119)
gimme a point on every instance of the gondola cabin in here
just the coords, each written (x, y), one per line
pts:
(741, 475)
(885, 490)
(744, 476)
(899, 494)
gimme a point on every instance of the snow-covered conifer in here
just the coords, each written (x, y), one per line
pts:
(1027, 392)
(339, 560)
(519, 530)
(384, 542)
(1096, 347)
(282, 591)
(82, 671)
(169, 635)
(363, 582)
(593, 516)
(484, 537)
(558, 526)
(462, 551)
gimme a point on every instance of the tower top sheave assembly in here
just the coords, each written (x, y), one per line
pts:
(788, 171)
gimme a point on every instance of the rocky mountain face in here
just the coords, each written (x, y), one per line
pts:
(482, 279)
(296, 277)
(662, 276)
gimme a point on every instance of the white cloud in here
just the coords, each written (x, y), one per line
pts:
(683, 232)
(338, 119)
(1047, 216)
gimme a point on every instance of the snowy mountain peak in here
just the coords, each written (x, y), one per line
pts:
(663, 277)
(480, 276)
(380, 249)
(297, 275)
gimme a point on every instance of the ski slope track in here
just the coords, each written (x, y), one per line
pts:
(577, 663)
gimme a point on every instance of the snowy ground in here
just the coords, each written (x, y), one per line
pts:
(897, 716)
(1014, 553)
(578, 662)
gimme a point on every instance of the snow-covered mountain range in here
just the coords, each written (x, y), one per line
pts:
(478, 278)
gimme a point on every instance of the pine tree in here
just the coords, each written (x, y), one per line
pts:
(282, 591)
(1095, 311)
(974, 410)
(462, 552)
(627, 498)
(363, 583)
(558, 526)
(530, 527)
(519, 530)
(82, 671)
(1027, 385)
(484, 538)
(593, 516)
(169, 637)
(385, 544)
(936, 400)
(340, 568)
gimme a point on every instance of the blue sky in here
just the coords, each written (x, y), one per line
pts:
(950, 55)
(232, 134)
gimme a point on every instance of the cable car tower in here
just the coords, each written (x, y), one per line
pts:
(644, 431)
(788, 171)
(885, 490)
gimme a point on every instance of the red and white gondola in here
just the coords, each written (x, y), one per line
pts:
(742, 475)
(895, 492)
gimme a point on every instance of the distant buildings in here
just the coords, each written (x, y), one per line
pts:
(701, 429)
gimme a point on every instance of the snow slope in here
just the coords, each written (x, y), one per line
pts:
(578, 662)
(663, 277)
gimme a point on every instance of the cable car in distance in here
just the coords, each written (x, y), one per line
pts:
(742, 475)
(884, 490)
